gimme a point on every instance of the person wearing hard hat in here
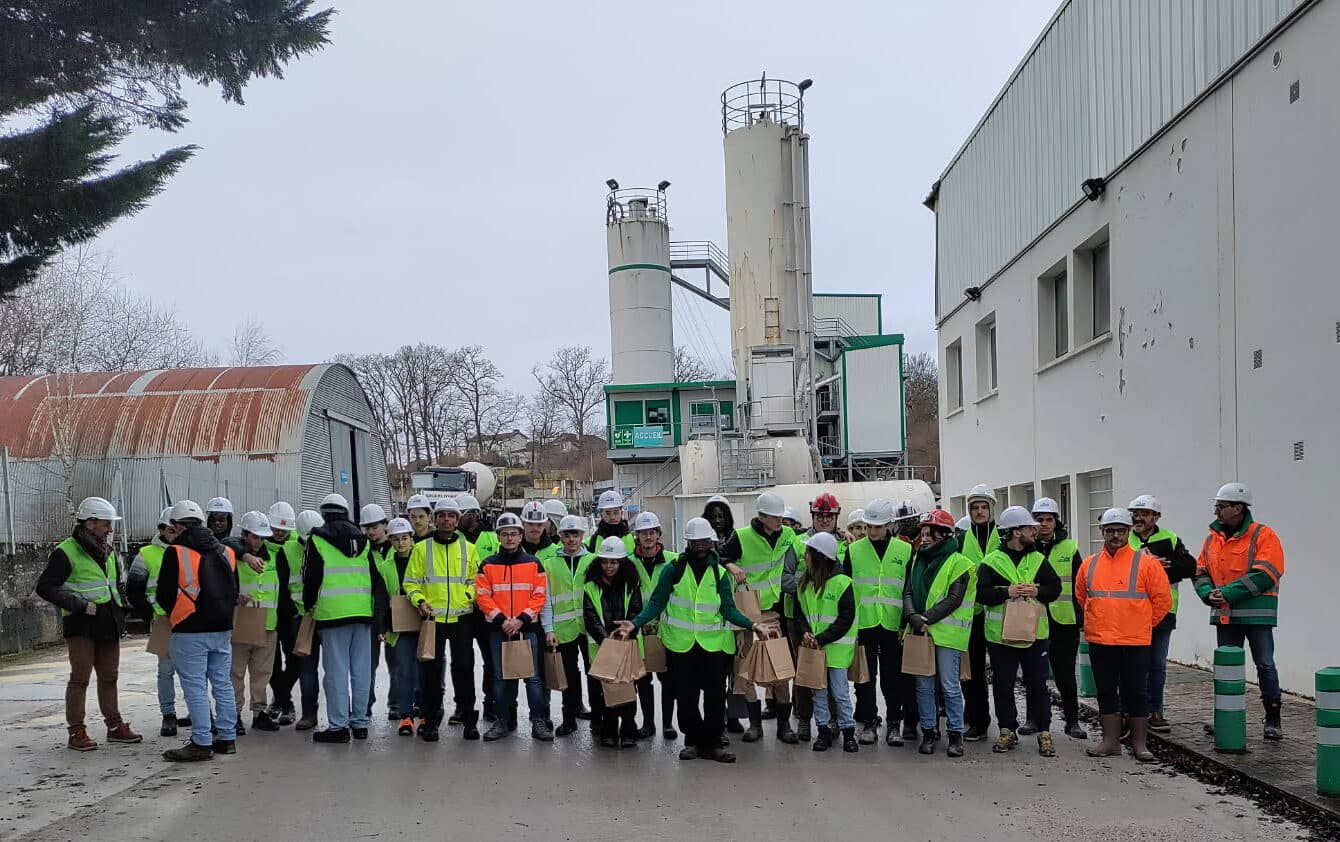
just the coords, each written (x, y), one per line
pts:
(142, 588)
(440, 582)
(373, 520)
(755, 556)
(556, 510)
(1016, 571)
(609, 508)
(826, 615)
(406, 694)
(612, 597)
(198, 590)
(258, 583)
(938, 599)
(473, 527)
(219, 517)
(1178, 562)
(648, 557)
(535, 528)
(1238, 575)
(420, 511)
(287, 552)
(824, 511)
(308, 665)
(694, 593)
(791, 519)
(906, 527)
(84, 579)
(511, 590)
(1122, 594)
(341, 588)
(485, 541)
(565, 565)
(879, 570)
(980, 538)
(1062, 553)
(855, 528)
(718, 513)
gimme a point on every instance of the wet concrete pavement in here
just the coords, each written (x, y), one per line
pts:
(283, 786)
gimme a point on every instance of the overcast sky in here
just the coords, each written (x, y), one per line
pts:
(437, 174)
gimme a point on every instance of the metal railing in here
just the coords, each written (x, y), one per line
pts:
(743, 466)
(700, 253)
(832, 326)
(626, 436)
(635, 203)
(775, 100)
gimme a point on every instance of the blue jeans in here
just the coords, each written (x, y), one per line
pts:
(1262, 641)
(504, 690)
(167, 690)
(839, 690)
(947, 668)
(206, 658)
(346, 657)
(406, 675)
(1158, 668)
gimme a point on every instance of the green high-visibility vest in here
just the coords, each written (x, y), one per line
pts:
(346, 584)
(629, 542)
(487, 545)
(1160, 535)
(593, 590)
(564, 591)
(386, 567)
(645, 576)
(1062, 560)
(762, 563)
(953, 631)
(97, 582)
(974, 552)
(693, 614)
(1028, 568)
(153, 562)
(263, 587)
(879, 582)
(821, 610)
(292, 549)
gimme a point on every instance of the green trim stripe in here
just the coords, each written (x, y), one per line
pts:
(687, 386)
(628, 266)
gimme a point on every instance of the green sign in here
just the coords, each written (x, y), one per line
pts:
(623, 437)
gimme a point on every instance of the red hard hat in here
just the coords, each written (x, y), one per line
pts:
(939, 518)
(825, 504)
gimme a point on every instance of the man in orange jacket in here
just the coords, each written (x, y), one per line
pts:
(1122, 593)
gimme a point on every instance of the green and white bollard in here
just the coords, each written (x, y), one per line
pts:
(1230, 699)
(1087, 689)
(1328, 731)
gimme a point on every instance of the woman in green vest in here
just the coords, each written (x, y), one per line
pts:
(827, 618)
(142, 588)
(648, 557)
(612, 597)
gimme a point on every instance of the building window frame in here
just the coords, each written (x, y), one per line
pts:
(1091, 289)
(954, 376)
(1054, 313)
(988, 360)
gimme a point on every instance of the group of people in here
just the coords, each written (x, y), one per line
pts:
(337, 593)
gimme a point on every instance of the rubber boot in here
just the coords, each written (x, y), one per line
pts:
(1139, 736)
(784, 732)
(754, 732)
(1274, 728)
(1110, 746)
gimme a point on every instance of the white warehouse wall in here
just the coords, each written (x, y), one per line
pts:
(1222, 242)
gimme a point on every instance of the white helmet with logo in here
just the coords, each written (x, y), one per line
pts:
(698, 529)
(1015, 517)
(1046, 506)
(447, 504)
(219, 505)
(506, 520)
(609, 500)
(418, 501)
(771, 504)
(282, 516)
(95, 508)
(878, 512)
(186, 510)
(399, 526)
(257, 524)
(981, 492)
(533, 512)
(612, 547)
(308, 520)
(468, 503)
(646, 521)
(572, 523)
(1146, 502)
(372, 513)
(1234, 492)
(1115, 517)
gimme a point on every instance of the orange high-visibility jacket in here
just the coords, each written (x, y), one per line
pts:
(1123, 596)
(511, 589)
(1246, 568)
(188, 580)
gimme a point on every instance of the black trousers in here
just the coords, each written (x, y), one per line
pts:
(457, 636)
(612, 722)
(572, 697)
(802, 697)
(884, 657)
(1121, 675)
(976, 707)
(1006, 663)
(699, 678)
(1062, 654)
(285, 674)
(480, 630)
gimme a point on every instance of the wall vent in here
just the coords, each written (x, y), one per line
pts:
(1298, 451)
(1257, 358)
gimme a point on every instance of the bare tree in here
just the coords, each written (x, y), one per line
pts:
(252, 345)
(689, 369)
(370, 369)
(489, 408)
(573, 384)
(921, 387)
(542, 427)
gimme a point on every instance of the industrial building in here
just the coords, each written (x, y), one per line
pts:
(1135, 283)
(144, 439)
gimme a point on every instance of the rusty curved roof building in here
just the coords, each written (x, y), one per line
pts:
(146, 438)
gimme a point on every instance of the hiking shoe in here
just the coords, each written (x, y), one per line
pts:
(928, 741)
(169, 728)
(331, 735)
(1005, 741)
(261, 721)
(849, 743)
(496, 731)
(566, 727)
(123, 734)
(1046, 746)
(427, 733)
(224, 747)
(974, 734)
(869, 734)
(720, 755)
(752, 734)
(893, 736)
(406, 727)
(470, 724)
(80, 740)
(307, 723)
(360, 733)
(1028, 729)
(1075, 732)
(824, 741)
(189, 753)
(1274, 728)
(541, 730)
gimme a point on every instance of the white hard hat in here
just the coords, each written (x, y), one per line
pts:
(609, 500)
(1115, 517)
(697, 529)
(824, 543)
(506, 520)
(282, 516)
(1234, 492)
(981, 492)
(307, 521)
(792, 514)
(1046, 506)
(399, 526)
(906, 511)
(335, 501)
(372, 513)
(612, 547)
(186, 510)
(219, 505)
(166, 517)
(533, 512)
(96, 508)
(645, 521)
(468, 502)
(418, 501)
(1014, 517)
(257, 524)
(718, 498)
(770, 504)
(447, 504)
(572, 523)
(856, 516)
(878, 512)
(556, 509)
(963, 523)
(1147, 502)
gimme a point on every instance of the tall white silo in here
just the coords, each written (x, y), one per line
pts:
(642, 342)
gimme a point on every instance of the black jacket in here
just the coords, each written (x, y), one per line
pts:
(605, 530)
(994, 590)
(845, 617)
(110, 621)
(344, 536)
(611, 603)
(214, 607)
(546, 540)
(1178, 563)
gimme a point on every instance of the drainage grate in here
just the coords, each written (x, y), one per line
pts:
(1257, 358)
(1298, 451)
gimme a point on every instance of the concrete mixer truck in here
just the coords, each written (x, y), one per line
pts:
(475, 478)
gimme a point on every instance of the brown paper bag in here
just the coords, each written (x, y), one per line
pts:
(812, 668)
(919, 654)
(306, 639)
(518, 659)
(404, 616)
(160, 632)
(249, 625)
(1021, 621)
(610, 658)
(632, 667)
(653, 653)
(747, 601)
(859, 672)
(616, 694)
(427, 640)
(555, 675)
(777, 650)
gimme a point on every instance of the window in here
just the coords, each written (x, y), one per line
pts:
(986, 356)
(954, 375)
(1102, 291)
(1096, 486)
(1053, 314)
(1092, 289)
(711, 416)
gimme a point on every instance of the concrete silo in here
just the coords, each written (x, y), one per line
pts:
(642, 343)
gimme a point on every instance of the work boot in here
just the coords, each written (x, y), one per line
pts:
(825, 739)
(406, 727)
(720, 755)
(429, 734)
(541, 730)
(359, 733)
(849, 743)
(955, 744)
(224, 747)
(189, 753)
(893, 736)
(1005, 741)
(307, 723)
(331, 735)
(974, 734)
(1046, 746)
(184, 721)
(1158, 724)
(286, 715)
(1139, 739)
(80, 740)
(803, 731)
(909, 731)
(261, 721)
(1110, 746)
(470, 724)
(169, 728)
(1274, 729)
(1027, 729)
(770, 709)
(928, 741)
(869, 733)
(455, 718)
(568, 726)
(784, 731)
(755, 730)
(647, 730)
(497, 730)
(122, 734)
(241, 729)
(688, 753)
(1075, 732)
